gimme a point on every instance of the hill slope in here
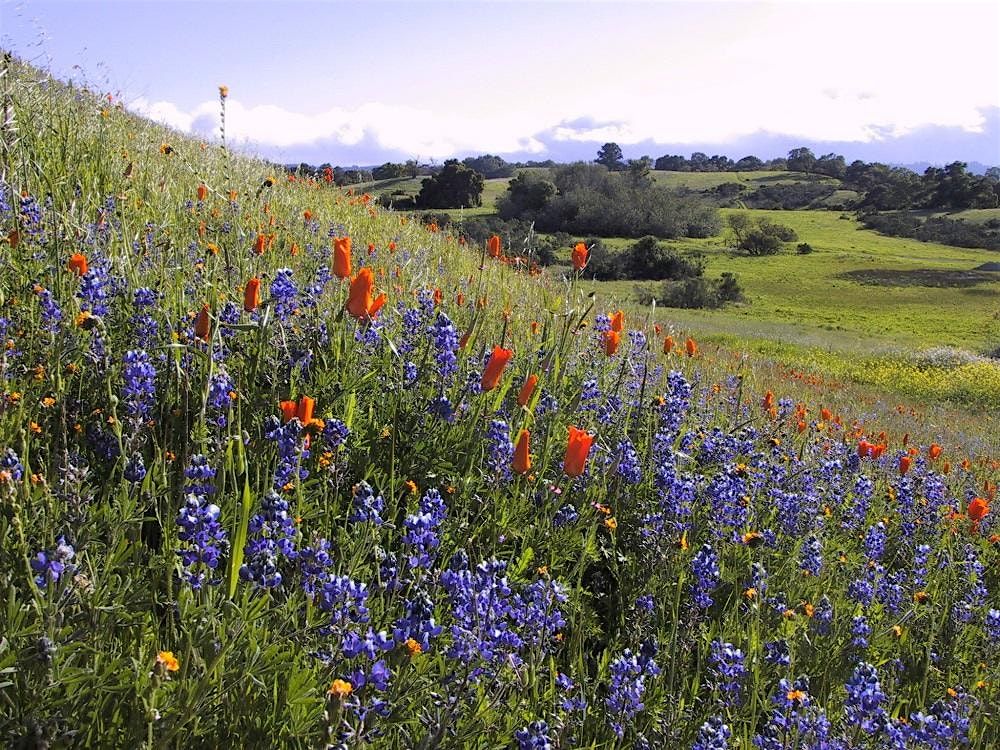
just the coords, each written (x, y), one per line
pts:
(247, 501)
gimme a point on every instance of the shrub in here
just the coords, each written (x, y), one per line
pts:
(803, 248)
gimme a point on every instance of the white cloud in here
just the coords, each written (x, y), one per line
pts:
(822, 72)
(406, 129)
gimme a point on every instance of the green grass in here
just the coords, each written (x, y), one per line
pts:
(809, 293)
(753, 180)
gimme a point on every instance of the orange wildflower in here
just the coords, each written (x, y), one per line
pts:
(289, 410)
(167, 661)
(977, 510)
(493, 246)
(342, 257)
(203, 325)
(340, 689)
(934, 451)
(579, 256)
(668, 344)
(251, 295)
(202, 192)
(768, 401)
(611, 341)
(618, 322)
(495, 367)
(524, 396)
(78, 264)
(260, 244)
(904, 464)
(691, 347)
(577, 449)
(522, 453)
(359, 300)
(438, 297)
(307, 215)
(304, 409)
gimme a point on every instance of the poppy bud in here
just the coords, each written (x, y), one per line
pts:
(494, 367)
(342, 257)
(577, 449)
(522, 453)
(251, 295)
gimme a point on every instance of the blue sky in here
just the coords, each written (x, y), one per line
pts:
(369, 82)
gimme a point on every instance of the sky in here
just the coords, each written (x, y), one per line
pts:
(369, 82)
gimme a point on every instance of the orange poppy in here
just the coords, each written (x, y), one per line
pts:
(618, 321)
(611, 341)
(304, 410)
(260, 244)
(203, 325)
(668, 344)
(289, 410)
(904, 464)
(202, 192)
(522, 453)
(826, 414)
(495, 367)
(78, 264)
(371, 248)
(577, 449)
(977, 510)
(307, 215)
(691, 346)
(342, 257)
(251, 295)
(438, 297)
(524, 396)
(768, 401)
(580, 253)
(934, 451)
(359, 299)
(493, 246)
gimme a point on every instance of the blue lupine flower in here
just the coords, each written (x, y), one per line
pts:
(628, 685)
(140, 384)
(205, 539)
(314, 563)
(629, 468)
(992, 623)
(865, 698)
(565, 516)
(445, 338)
(271, 537)
(535, 736)
(49, 567)
(777, 653)
(366, 505)
(135, 469)
(417, 622)
(335, 433)
(713, 735)
(283, 293)
(344, 599)
(10, 463)
(812, 556)
(728, 670)
(499, 450)
(421, 529)
(705, 566)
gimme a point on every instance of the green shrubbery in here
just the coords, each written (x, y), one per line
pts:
(588, 199)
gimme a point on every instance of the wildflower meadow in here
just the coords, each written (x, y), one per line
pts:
(279, 468)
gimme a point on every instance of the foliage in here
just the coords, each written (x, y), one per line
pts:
(588, 199)
(455, 186)
(758, 237)
(610, 156)
(941, 229)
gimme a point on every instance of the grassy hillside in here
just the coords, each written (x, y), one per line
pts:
(247, 500)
